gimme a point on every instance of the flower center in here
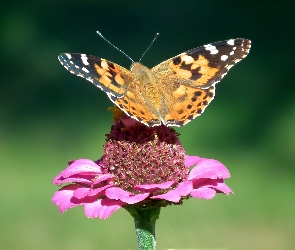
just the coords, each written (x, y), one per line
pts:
(143, 155)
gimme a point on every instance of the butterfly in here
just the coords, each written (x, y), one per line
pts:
(173, 92)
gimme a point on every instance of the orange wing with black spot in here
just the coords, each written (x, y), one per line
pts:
(109, 77)
(187, 81)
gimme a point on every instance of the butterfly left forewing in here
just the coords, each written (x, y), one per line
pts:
(108, 76)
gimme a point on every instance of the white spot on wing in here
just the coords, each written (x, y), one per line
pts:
(223, 57)
(231, 53)
(187, 59)
(84, 59)
(68, 55)
(211, 48)
(231, 42)
(85, 70)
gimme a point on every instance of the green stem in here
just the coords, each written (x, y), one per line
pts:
(145, 221)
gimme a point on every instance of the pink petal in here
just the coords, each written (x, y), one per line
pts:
(127, 197)
(81, 192)
(216, 184)
(198, 183)
(103, 177)
(192, 160)
(64, 198)
(82, 166)
(86, 191)
(209, 168)
(204, 192)
(76, 179)
(102, 208)
(175, 195)
(222, 187)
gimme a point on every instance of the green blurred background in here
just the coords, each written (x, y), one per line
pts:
(49, 116)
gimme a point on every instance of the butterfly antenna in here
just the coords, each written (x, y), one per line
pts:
(149, 46)
(114, 46)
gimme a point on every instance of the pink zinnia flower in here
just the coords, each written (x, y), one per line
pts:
(140, 167)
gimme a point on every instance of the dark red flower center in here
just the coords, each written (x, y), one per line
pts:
(143, 155)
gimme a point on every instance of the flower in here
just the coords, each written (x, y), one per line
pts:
(140, 167)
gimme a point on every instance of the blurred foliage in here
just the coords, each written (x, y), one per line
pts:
(49, 116)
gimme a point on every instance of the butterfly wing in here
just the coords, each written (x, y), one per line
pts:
(134, 105)
(187, 80)
(109, 77)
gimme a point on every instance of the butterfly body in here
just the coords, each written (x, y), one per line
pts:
(147, 87)
(173, 92)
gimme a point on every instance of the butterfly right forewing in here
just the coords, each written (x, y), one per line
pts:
(187, 80)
